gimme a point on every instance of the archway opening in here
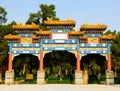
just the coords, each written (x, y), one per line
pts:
(59, 67)
(25, 68)
(94, 67)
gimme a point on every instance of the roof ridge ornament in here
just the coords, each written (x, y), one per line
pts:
(19, 23)
(99, 23)
(33, 24)
(50, 19)
(86, 23)
(69, 19)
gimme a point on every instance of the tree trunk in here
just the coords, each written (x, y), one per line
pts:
(60, 73)
(115, 71)
(24, 67)
(86, 73)
(99, 75)
(66, 72)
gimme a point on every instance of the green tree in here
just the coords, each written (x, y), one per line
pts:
(110, 32)
(4, 30)
(115, 49)
(25, 63)
(95, 67)
(34, 17)
(60, 63)
(12, 23)
(3, 14)
(45, 12)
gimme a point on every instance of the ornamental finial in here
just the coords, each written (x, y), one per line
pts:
(99, 23)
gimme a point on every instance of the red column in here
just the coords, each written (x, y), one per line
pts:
(99, 40)
(68, 35)
(41, 60)
(20, 40)
(32, 40)
(78, 61)
(109, 62)
(10, 62)
(50, 35)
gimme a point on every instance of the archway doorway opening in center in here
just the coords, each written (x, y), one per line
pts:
(59, 67)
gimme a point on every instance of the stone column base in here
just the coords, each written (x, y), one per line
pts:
(9, 77)
(41, 77)
(109, 77)
(78, 77)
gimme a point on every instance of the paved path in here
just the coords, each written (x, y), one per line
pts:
(59, 87)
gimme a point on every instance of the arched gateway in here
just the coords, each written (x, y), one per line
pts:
(61, 36)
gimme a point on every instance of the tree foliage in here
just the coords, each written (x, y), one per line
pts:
(115, 49)
(110, 32)
(45, 12)
(4, 30)
(3, 14)
(59, 62)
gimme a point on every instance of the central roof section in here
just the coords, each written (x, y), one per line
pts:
(64, 25)
(59, 22)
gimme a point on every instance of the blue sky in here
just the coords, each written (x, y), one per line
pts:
(82, 11)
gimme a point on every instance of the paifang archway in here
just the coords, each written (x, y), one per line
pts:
(61, 36)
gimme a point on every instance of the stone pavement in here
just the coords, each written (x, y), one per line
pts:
(59, 87)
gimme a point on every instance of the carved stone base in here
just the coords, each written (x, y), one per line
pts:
(41, 77)
(9, 77)
(78, 77)
(109, 77)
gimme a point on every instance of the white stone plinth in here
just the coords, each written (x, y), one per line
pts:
(109, 77)
(78, 77)
(9, 77)
(41, 77)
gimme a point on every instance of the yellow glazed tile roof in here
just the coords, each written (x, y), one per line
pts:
(59, 22)
(83, 37)
(27, 26)
(40, 32)
(93, 27)
(10, 36)
(110, 36)
(76, 32)
(35, 37)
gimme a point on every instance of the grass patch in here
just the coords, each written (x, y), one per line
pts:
(59, 82)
